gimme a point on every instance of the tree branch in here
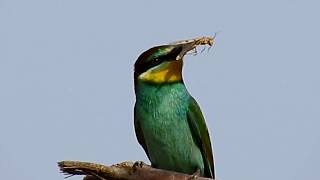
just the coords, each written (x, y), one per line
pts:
(122, 171)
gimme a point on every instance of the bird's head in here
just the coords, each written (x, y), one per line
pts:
(163, 64)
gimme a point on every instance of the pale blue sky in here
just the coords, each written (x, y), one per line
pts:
(66, 89)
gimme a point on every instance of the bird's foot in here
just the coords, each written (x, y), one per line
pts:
(195, 175)
(138, 164)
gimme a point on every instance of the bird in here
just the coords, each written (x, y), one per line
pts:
(168, 121)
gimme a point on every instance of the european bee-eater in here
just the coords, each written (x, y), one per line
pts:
(169, 124)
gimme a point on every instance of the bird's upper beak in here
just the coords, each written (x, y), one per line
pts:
(190, 44)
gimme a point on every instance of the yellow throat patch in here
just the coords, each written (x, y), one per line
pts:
(170, 71)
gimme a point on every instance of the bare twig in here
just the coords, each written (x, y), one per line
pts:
(121, 171)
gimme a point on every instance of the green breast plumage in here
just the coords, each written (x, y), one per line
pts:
(161, 112)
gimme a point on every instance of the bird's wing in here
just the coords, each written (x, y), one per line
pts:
(201, 135)
(139, 132)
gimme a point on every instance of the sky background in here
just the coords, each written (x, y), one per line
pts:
(66, 82)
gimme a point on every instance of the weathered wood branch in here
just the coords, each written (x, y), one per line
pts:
(122, 171)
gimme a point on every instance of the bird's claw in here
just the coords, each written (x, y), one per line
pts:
(137, 164)
(195, 175)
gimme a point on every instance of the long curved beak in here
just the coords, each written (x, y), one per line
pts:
(190, 44)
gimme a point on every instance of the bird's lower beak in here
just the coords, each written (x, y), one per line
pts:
(190, 44)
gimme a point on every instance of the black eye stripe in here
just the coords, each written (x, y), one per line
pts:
(154, 62)
(144, 62)
(158, 60)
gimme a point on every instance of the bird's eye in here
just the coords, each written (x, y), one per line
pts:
(156, 59)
